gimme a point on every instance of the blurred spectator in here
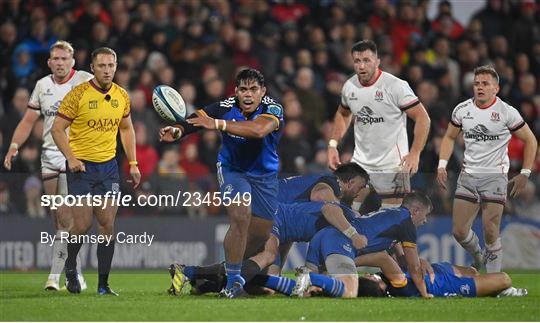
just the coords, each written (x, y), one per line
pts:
(32, 193)
(144, 114)
(14, 113)
(7, 207)
(294, 149)
(319, 165)
(311, 101)
(147, 155)
(527, 203)
(196, 171)
(491, 16)
(208, 149)
(445, 23)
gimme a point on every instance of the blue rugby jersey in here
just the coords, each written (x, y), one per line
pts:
(298, 188)
(252, 156)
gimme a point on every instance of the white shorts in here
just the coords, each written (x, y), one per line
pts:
(53, 165)
(478, 188)
(390, 183)
(52, 162)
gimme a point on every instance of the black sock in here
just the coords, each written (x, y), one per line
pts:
(210, 286)
(73, 251)
(258, 280)
(249, 269)
(105, 255)
(212, 272)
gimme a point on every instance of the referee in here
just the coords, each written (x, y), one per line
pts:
(94, 112)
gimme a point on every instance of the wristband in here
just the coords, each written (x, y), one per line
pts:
(349, 232)
(224, 125)
(14, 145)
(442, 163)
(176, 133)
(526, 172)
(216, 123)
(332, 143)
(133, 163)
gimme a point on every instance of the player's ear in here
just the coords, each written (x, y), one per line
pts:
(263, 90)
(92, 67)
(49, 62)
(72, 62)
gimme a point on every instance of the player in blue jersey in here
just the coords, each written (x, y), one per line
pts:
(294, 222)
(333, 252)
(449, 280)
(251, 124)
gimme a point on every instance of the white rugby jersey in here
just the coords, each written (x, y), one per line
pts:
(46, 99)
(486, 133)
(380, 123)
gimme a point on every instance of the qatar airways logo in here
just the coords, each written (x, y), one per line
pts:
(480, 133)
(104, 125)
(366, 116)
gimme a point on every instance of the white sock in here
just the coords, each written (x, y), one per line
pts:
(59, 256)
(494, 256)
(356, 205)
(471, 243)
(79, 265)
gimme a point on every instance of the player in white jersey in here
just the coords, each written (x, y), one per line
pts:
(45, 100)
(379, 103)
(487, 124)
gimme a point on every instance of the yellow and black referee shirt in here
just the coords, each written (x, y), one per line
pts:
(95, 116)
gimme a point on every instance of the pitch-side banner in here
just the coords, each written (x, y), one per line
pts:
(155, 242)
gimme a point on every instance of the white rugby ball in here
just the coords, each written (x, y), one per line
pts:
(169, 104)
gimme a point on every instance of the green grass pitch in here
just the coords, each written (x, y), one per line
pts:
(143, 298)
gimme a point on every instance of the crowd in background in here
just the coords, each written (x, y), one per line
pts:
(303, 50)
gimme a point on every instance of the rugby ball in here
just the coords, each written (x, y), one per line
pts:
(169, 104)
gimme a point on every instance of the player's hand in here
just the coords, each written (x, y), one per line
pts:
(202, 121)
(359, 241)
(12, 152)
(76, 165)
(519, 182)
(442, 176)
(169, 134)
(135, 175)
(410, 162)
(426, 268)
(333, 158)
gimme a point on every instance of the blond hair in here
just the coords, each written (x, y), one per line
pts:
(62, 44)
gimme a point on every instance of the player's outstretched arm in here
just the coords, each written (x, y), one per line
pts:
(334, 215)
(257, 128)
(422, 123)
(127, 136)
(23, 130)
(529, 154)
(447, 146)
(413, 266)
(385, 262)
(342, 120)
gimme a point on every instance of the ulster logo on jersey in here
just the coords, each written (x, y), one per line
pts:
(366, 116)
(379, 96)
(495, 116)
(480, 133)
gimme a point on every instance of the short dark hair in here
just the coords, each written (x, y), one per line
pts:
(417, 198)
(364, 45)
(103, 50)
(250, 74)
(369, 288)
(348, 171)
(487, 69)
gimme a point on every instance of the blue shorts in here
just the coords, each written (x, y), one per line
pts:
(263, 190)
(98, 179)
(448, 284)
(326, 242)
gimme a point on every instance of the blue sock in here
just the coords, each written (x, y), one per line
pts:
(233, 274)
(281, 284)
(189, 271)
(331, 286)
